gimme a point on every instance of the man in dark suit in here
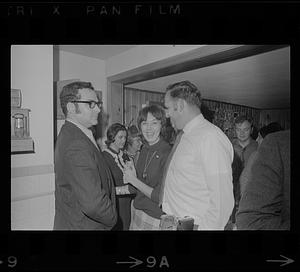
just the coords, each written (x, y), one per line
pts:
(265, 203)
(84, 191)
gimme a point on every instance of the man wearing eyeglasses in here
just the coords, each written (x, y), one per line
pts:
(84, 190)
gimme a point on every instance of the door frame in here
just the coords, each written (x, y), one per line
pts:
(198, 58)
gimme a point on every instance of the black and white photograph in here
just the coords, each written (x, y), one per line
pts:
(150, 137)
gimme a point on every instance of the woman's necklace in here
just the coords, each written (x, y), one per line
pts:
(117, 157)
(147, 163)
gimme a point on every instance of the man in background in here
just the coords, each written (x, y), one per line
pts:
(265, 204)
(243, 146)
(84, 191)
(198, 181)
(262, 133)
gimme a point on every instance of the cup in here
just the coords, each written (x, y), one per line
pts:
(185, 223)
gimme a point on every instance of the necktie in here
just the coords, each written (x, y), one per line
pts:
(166, 168)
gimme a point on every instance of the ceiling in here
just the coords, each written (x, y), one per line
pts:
(261, 81)
(102, 52)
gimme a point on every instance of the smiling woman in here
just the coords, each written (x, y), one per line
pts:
(151, 129)
(145, 209)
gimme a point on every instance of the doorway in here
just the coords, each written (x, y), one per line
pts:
(194, 59)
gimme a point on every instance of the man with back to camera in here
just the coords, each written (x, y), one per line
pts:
(84, 190)
(198, 181)
(265, 204)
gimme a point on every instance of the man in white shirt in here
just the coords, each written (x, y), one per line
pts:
(199, 178)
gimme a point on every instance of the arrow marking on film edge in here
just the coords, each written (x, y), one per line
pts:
(135, 262)
(285, 262)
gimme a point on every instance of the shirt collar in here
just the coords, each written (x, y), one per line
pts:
(84, 129)
(236, 142)
(192, 123)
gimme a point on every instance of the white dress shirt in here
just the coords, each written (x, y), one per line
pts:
(85, 130)
(199, 180)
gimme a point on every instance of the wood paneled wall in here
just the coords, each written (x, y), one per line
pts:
(134, 99)
(224, 113)
(282, 116)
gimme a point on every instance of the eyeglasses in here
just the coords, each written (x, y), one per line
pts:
(91, 103)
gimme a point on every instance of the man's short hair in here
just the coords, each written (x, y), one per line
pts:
(70, 93)
(241, 119)
(186, 91)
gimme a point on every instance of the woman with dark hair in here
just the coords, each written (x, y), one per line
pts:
(145, 211)
(114, 156)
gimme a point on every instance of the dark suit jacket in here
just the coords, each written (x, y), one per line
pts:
(84, 191)
(265, 204)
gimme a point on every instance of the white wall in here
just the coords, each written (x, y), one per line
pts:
(74, 66)
(142, 55)
(32, 175)
(96, 71)
(32, 202)
(32, 72)
(84, 68)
